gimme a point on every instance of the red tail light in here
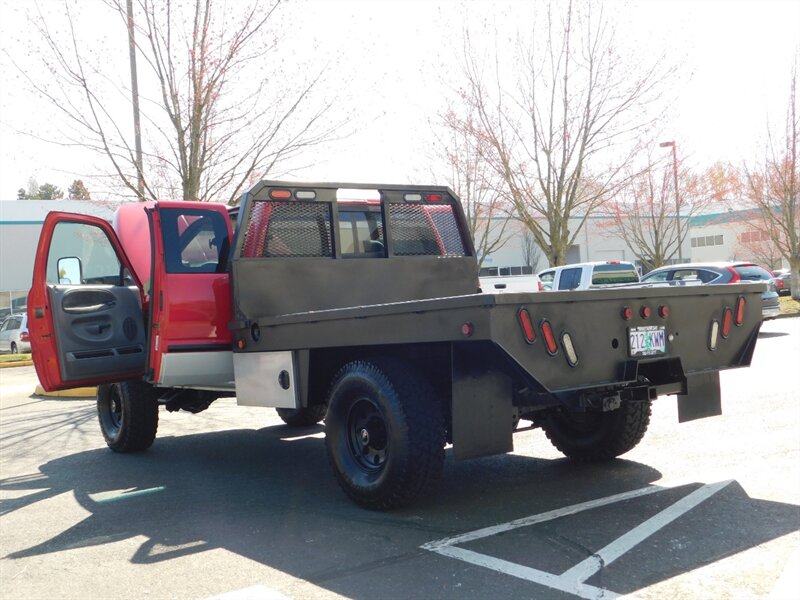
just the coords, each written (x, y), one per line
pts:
(549, 338)
(627, 313)
(739, 310)
(280, 194)
(663, 311)
(645, 312)
(727, 321)
(734, 275)
(525, 322)
(24, 337)
(434, 197)
(541, 287)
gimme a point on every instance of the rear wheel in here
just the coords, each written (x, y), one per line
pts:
(597, 436)
(14, 349)
(302, 417)
(128, 415)
(384, 434)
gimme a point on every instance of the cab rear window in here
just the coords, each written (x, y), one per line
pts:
(752, 273)
(612, 274)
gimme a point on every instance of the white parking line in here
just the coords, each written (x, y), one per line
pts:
(572, 580)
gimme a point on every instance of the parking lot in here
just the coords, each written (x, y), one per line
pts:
(230, 503)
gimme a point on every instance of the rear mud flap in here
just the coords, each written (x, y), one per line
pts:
(702, 398)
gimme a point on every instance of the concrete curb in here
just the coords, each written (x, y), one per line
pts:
(82, 392)
(19, 363)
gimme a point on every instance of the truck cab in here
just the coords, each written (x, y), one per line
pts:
(584, 276)
(146, 296)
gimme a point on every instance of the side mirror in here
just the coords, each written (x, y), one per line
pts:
(69, 271)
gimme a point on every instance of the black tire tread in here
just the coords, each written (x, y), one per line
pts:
(620, 431)
(140, 416)
(422, 423)
(302, 417)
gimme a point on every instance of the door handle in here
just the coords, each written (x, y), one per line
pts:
(88, 309)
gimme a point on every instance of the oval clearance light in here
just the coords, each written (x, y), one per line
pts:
(280, 194)
(727, 322)
(549, 339)
(663, 311)
(412, 197)
(645, 312)
(305, 194)
(740, 304)
(526, 324)
(713, 335)
(467, 329)
(569, 349)
(434, 197)
(627, 313)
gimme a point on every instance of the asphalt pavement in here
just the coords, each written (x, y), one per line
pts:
(232, 504)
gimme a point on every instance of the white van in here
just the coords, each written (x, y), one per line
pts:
(584, 276)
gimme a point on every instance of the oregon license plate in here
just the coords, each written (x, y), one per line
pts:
(646, 341)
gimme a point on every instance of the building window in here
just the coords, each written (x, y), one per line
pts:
(707, 240)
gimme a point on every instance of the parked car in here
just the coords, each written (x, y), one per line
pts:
(14, 334)
(719, 273)
(588, 275)
(783, 281)
(495, 280)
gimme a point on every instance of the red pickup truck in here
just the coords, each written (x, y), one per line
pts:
(360, 304)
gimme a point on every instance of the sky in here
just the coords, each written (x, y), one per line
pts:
(735, 59)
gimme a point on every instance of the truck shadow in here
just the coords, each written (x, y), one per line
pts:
(268, 495)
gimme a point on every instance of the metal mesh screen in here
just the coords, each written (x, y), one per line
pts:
(288, 229)
(420, 230)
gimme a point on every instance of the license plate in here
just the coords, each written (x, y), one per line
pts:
(646, 341)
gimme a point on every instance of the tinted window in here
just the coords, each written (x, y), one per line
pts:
(609, 274)
(570, 279)
(752, 273)
(361, 234)
(656, 277)
(194, 240)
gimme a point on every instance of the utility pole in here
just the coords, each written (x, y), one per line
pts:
(137, 129)
(673, 145)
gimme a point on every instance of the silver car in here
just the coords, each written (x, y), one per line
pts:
(14, 334)
(719, 273)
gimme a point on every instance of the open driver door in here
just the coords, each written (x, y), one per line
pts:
(85, 315)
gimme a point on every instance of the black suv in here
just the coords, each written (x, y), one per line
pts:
(719, 273)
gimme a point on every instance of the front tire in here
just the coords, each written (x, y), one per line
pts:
(302, 417)
(128, 415)
(597, 436)
(384, 434)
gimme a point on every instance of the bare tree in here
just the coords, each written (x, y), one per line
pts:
(476, 184)
(561, 135)
(772, 187)
(644, 211)
(531, 253)
(216, 107)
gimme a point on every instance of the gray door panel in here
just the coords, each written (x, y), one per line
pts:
(99, 330)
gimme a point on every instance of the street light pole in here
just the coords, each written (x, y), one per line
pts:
(673, 145)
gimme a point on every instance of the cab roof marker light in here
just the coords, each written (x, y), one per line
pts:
(357, 195)
(412, 197)
(434, 197)
(714, 335)
(740, 304)
(305, 195)
(280, 194)
(569, 349)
